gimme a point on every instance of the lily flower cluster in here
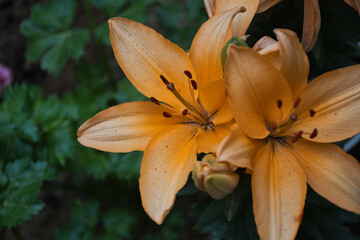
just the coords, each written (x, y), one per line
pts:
(256, 112)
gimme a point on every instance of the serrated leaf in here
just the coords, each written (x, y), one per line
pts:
(51, 37)
(20, 182)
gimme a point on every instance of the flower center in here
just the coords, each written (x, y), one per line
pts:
(196, 112)
(278, 132)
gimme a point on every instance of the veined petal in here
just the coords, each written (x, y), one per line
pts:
(167, 162)
(207, 45)
(279, 191)
(213, 98)
(335, 99)
(210, 7)
(266, 4)
(241, 21)
(254, 87)
(331, 172)
(144, 55)
(270, 50)
(126, 127)
(354, 4)
(311, 25)
(295, 64)
(208, 141)
(237, 149)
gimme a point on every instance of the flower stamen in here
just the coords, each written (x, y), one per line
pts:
(154, 100)
(314, 133)
(312, 112)
(296, 137)
(293, 117)
(184, 112)
(279, 103)
(164, 79)
(188, 74)
(297, 102)
(167, 115)
(193, 84)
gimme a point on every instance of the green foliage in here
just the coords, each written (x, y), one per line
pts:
(115, 223)
(51, 36)
(20, 182)
(28, 120)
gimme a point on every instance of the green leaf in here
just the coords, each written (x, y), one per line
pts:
(84, 217)
(109, 7)
(20, 182)
(51, 37)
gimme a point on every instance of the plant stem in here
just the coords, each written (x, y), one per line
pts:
(16, 234)
(99, 45)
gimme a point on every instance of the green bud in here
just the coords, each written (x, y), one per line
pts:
(234, 40)
(218, 179)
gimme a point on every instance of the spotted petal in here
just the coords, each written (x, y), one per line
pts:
(331, 172)
(335, 99)
(207, 45)
(254, 87)
(126, 127)
(144, 55)
(167, 162)
(279, 191)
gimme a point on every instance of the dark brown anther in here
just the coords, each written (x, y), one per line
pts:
(164, 80)
(167, 115)
(279, 103)
(185, 112)
(273, 127)
(297, 101)
(154, 100)
(296, 137)
(194, 84)
(170, 86)
(314, 133)
(312, 112)
(188, 74)
(243, 9)
(293, 117)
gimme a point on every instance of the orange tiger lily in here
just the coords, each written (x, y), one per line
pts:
(285, 130)
(188, 112)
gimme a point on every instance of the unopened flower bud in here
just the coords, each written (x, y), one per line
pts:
(218, 179)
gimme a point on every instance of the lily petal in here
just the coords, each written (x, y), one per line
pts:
(355, 4)
(335, 99)
(270, 50)
(331, 172)
(206, 46)
(295, 64)
(311, 25)
(144, 55)
(167, 162)
(126, 127)
(208, 141)
(237, 149)
(210, 7)
(213, 98)
(241, 21)
(279, 191)
(254, 87)
(266, 4)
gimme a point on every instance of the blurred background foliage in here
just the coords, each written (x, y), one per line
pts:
(51, 187)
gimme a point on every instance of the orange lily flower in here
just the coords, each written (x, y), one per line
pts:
(241, 22)
(294, 123)
(312, 19)
(188, 112)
